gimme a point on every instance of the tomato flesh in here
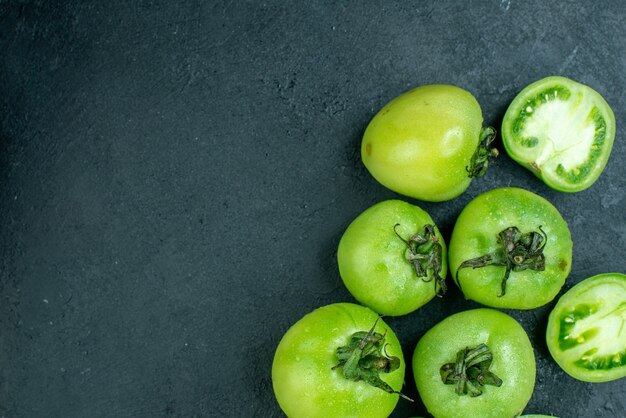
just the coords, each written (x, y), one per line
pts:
(562, 131)
(587, 329)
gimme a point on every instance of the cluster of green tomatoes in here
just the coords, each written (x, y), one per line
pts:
(510, 249)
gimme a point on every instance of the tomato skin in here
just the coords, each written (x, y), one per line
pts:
(537, 416)
(475, 234)
(420, 143)
(586, 334)
(565, 113)
(372, 260)
(305, 384)
(513, 362)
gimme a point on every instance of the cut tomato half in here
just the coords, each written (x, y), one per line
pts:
(587, 329)
(562, 131)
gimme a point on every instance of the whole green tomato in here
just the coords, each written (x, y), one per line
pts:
(537, 416)
(510, 248)
(586, 329)
(340, 360)
(477, 363)
(428, 143)
(562, 131)
(392, 258)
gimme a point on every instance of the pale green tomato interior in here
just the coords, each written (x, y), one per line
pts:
(607, 324)
(565, 132)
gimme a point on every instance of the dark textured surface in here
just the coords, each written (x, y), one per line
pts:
(175, 177)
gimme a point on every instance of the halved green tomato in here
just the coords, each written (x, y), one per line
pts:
(587, 329)
(560, 130)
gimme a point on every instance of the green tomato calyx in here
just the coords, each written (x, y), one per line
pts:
(425, 253)
(519, 251)
(365, 357)
(480, 159)
(470, 372)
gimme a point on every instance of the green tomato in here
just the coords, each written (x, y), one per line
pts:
(454, 356)
(510, 248)
(586, 329)
(427, 143)
(318, 370)
(537, 416)
(392, 258)
(560, 130)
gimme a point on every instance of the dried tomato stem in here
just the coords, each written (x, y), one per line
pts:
(484, 151)
(365, 357)
(518, 251)
(425, 253)
(470, 371)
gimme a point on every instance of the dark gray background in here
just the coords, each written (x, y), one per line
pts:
(175, 177)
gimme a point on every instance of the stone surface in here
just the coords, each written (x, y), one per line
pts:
(175, 177)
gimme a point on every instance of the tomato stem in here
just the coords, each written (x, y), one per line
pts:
(484, 151)
(365, 357)
(470, 371)
(425, 253)
(518, 251)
